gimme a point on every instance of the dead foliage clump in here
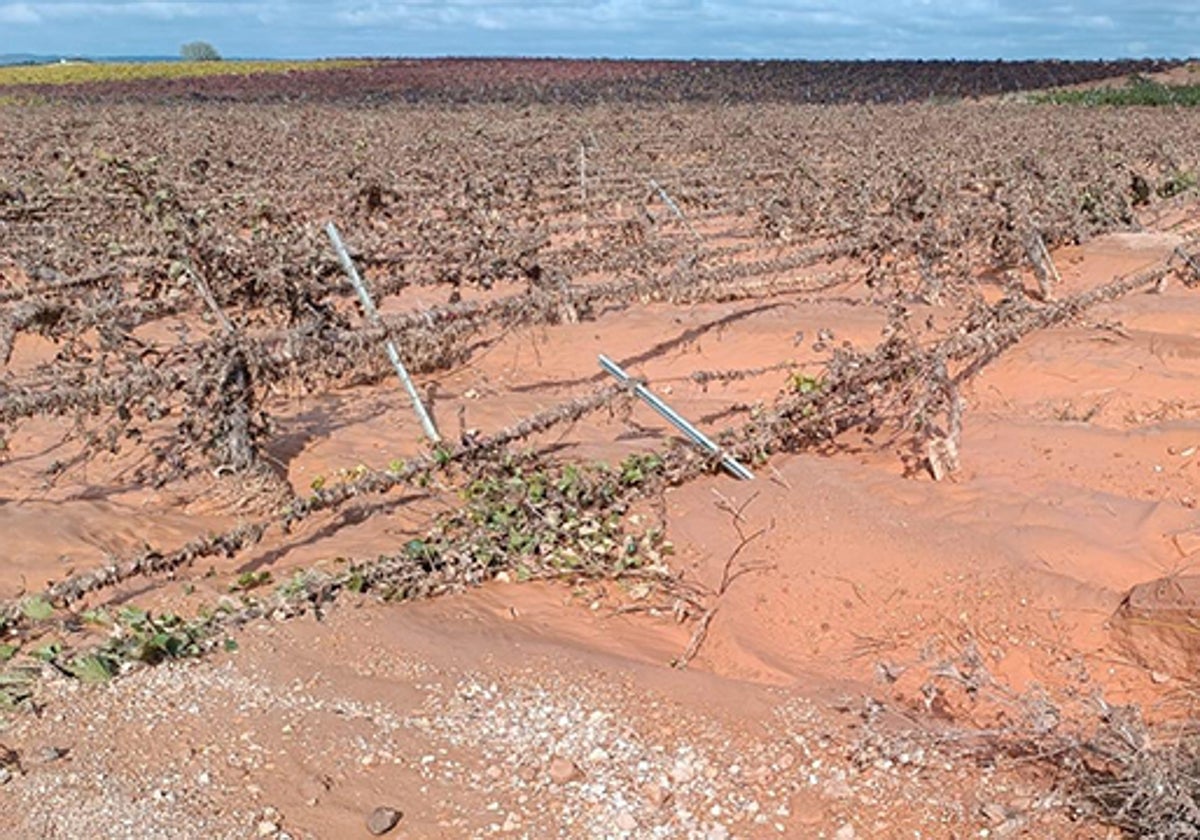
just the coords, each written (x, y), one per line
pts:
(1106, 763)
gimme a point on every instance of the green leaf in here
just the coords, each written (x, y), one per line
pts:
(231, 645)
(803, 384)
(37, 608)
(168, 644)
(93, 668)
(48, 653)
(7, 652)
(13, 697)
(251, 580)
(17, 677)
(133, 617)
(96, 616)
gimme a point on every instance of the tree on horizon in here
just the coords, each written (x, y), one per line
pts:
(199, 51)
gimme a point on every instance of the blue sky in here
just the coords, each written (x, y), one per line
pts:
(614, 28)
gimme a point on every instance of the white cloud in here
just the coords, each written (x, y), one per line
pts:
(145, 9)
(19, 13)
(554, 15)
(648, 28)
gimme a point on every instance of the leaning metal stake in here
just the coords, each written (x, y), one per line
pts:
(731, 464)
(364, 296)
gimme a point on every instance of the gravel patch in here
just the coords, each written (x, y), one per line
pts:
(241, 747)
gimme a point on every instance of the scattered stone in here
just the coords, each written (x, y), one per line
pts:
(942, 456)
(1010, 827)
(597, 755)
(838, 788)
(846, 832)
(657, 795)
(512, 822)
(1154, 625)
(311, 790)
(266, 828)
(1158, 677)
(994, 812)
(563, 770)
(626, 821)
(494, 773)
(682, 772)
(9, 761)
(717, 832)
(382, 820)
(48, 755)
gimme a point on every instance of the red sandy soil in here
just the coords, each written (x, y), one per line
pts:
(1184, 74)
(825, 698)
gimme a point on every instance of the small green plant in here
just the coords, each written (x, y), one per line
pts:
(250, 580)
(417, 550)
(93, 668)
(637, 468)
(134, 635)
(442, 456)
(48, 652)
(801, 383)
(527, 518)
(298, 583)
(142, 636)
(37, 608)
(1176, 184)
(16, 687)
(98, 617)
